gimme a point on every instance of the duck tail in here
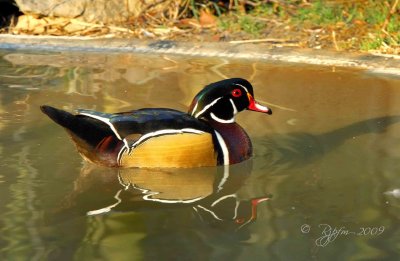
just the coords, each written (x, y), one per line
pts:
(60, 117)
(94, 139)
(89, 130)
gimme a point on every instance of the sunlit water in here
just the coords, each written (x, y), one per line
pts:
(328, 158)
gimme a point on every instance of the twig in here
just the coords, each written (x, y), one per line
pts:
(334, 41)
(113, 28)
(254, 4)
(266, 40)
(186, 5)
(389, 16)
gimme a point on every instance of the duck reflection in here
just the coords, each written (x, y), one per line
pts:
(210, 192)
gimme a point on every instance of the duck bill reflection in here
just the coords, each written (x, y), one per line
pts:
(255, 106)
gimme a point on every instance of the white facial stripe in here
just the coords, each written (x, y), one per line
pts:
(207, 107)
(224, 148)
(195, 108)
(242, 87)
(215, 118)
(235, 111)
(105, 120)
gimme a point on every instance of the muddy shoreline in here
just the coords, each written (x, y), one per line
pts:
(383, 64)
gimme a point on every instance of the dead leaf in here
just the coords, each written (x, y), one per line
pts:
(188, 23)
(207, 19)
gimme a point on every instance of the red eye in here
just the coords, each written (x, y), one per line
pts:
(237, 93)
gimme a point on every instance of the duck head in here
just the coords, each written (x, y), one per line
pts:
(221, 101)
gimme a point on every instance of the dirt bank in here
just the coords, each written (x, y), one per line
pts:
(387, 64)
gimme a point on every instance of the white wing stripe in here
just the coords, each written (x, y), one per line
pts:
(164, 132)
(153, 134)
(105, 120)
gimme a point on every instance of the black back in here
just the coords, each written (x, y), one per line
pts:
(148, 120)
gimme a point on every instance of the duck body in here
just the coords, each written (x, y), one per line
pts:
(158, 137)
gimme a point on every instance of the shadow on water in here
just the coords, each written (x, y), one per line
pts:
(296, 149)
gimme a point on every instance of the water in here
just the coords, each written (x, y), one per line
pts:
(321, 186)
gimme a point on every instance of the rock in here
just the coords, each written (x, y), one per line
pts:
(30, 24)
(70, 8)
(57, 26)
(72, 28)
(93, 11)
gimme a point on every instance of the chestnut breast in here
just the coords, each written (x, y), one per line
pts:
(236, 140)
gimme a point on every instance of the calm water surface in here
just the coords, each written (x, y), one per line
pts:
(321, 186)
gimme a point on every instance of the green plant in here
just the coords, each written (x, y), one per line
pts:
(371, 44)
(323, 13)
(250, 25)
(356, 24)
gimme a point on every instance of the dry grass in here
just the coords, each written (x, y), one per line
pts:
(365, 25)
(154, 20)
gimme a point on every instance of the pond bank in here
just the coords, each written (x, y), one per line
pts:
(386, 64)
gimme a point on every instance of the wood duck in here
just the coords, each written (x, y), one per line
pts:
(158, 137)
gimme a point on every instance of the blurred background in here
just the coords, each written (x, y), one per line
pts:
(350, 25)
